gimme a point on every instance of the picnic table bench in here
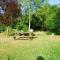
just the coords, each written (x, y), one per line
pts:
(24, 35)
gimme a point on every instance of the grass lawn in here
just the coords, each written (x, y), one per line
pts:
(44, 45)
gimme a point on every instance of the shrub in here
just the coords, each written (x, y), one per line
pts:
(9, 31)
(2, 28)
(22, 23)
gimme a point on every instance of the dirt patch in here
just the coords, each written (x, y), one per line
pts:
(55, 37)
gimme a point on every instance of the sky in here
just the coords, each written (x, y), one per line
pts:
(54, 2)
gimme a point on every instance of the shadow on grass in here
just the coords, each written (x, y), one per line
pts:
(40, 58)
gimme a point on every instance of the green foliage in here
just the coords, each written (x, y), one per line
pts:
(36, 22)
(38, 18)
(49, 22)
(52, 22)
(47, 18)
(57, 22)
(22, 23)
(9, 31)
(2, 28)
(25, 28)
(1, 17)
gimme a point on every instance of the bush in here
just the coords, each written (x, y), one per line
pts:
(21, 26)
(9, 31)
(22, 23)
(25, 28)
(2, 28)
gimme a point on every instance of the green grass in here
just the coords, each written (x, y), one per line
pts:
(45, 45)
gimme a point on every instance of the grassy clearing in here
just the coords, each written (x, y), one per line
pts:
(45, 45)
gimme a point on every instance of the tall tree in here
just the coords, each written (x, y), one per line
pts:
(35, 4)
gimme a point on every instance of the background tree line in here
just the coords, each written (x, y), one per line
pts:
(46, 17)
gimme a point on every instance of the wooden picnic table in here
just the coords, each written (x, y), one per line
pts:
(24, 35)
